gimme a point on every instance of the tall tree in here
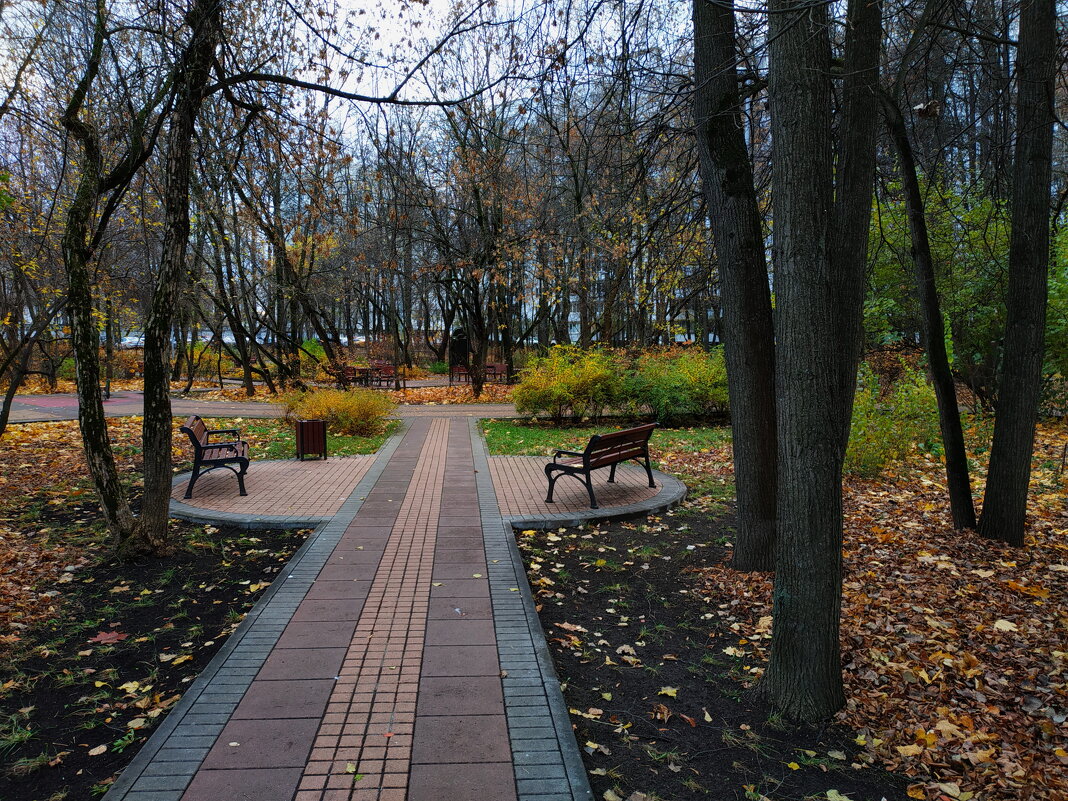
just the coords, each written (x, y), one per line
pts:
(749, 338)
(98, 193)
(958, 482)
(817, 303)
(193, 70)
(1005, 500)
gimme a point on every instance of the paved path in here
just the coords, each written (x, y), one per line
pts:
(46, 408)
(398, 657)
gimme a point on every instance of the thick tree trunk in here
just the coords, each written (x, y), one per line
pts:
(804, 675)
(749, 342)
(1005, 501)
(957, 478)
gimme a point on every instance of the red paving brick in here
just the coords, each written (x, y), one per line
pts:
(309, 489)
(521, 486)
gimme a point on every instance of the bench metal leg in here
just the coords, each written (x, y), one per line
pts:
(589, 490)
(612, 475)
(192, 480)
(648, 472)
(241, 479)
(552, 482)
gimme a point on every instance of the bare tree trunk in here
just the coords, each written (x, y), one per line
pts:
(77, 252)
(749, 347)
(958, 481)
(815, 370)
(1005, 501)
(203, 22)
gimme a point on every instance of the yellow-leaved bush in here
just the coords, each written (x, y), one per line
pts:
(355, 412)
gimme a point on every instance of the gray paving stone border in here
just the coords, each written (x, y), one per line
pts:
(547, 762)
(165, 765)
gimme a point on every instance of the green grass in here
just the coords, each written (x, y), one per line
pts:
(273, 439)
(513, 438)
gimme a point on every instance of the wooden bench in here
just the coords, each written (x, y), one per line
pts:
(603, 450)
(208, 455)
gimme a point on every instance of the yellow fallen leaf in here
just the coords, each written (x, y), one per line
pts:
(793, 766)
(910, 750)
(1005, 625)
(672, 692)
(100, 749)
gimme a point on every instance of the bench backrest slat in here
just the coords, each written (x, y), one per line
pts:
(618, 446)
(197, 431)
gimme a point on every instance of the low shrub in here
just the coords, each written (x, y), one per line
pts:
(678, 384)
(356, 412)
(888, 423)
(570, 382)
(65, 371)
(438, 368)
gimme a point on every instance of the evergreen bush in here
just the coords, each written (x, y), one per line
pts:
(678, 384)
(570, 382)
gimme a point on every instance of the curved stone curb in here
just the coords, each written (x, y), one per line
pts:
(672, 493)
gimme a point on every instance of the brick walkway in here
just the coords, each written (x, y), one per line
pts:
(50, 408)
(397, 658)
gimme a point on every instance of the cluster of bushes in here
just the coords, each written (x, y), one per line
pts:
(356, 412)
(671, 385)
(895, 409)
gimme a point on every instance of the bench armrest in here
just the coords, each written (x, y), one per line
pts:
(235, 431)
(558, 454)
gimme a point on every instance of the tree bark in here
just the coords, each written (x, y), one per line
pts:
(804, 675)
(194, 70)
(749, 346)
(855, 177)
(1005, 500)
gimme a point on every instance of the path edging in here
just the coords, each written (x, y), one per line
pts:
(498, 536)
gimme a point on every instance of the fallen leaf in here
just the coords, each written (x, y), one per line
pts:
(108, 637)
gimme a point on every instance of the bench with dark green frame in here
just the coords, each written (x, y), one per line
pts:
(603, 450)
(208, 455)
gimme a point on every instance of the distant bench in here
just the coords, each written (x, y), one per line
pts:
(603, 450)
(208, 455)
